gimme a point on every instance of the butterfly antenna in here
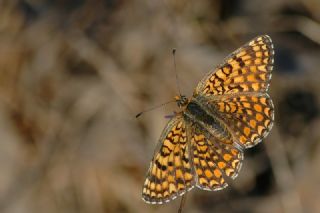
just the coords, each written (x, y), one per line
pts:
(152, 108)
(175, 69)
(177, 82)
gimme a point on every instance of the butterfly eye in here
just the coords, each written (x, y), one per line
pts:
(182, 101)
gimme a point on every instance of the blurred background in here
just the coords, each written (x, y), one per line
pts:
(74, 73)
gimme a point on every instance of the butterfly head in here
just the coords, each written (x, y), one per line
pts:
(181, 100)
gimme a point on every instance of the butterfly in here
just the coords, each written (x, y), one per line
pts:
(229, 111)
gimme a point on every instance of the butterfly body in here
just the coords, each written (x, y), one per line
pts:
(204, 143)
(196, 112)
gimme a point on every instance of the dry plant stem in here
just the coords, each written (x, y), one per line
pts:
(284, 177)
(182, 202)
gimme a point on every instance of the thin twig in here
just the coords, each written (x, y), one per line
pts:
(182, 202)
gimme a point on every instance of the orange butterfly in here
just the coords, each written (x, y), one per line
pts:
(229, 111)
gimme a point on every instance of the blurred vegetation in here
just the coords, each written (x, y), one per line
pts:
(74, 73)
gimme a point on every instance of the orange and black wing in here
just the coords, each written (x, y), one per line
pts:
(170, 173)
(237, 91)
(214, 159)
(248, 117)
(248, 69)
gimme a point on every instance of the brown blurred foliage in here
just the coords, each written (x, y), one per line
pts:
(74, 73)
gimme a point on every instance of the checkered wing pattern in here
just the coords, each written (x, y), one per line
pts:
(248, 117)
(237, 91)
(248, 69)
(214, 159)
(170, 173)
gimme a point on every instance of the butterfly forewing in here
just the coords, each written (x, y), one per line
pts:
(170, 173)
(248, 69)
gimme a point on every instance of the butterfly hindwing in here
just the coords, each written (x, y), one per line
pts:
(249, 118)
(213, 159)
(209, 176)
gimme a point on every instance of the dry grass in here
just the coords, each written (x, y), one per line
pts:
(74, 74)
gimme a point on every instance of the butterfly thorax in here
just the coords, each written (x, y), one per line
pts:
(205, 118)
(181, 100)
(196, 113)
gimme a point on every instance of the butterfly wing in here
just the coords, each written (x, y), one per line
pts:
(170, 173)
(236, 92)
(248, 117)
(214, 158)
(247, 69)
